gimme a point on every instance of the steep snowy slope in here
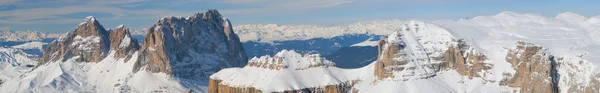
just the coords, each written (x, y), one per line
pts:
(570, 37)
(14, 62)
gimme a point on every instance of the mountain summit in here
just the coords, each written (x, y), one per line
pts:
(191, 47)
(177, 54)
(89, 42)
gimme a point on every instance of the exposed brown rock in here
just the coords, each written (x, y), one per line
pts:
(465, 61)
(122, 43)
(215, 87)
(385, 64)
(534, 69)
(89, 41)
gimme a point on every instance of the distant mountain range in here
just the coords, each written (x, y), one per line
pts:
(16, 36)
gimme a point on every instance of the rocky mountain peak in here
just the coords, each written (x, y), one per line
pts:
(89, 42)
(122, 43)
(212, 14)
(178, 46)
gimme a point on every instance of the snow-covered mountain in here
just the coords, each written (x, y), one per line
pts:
(14, 36)
(92, 58)
(273, 32)
(507, 52)
(13, 63)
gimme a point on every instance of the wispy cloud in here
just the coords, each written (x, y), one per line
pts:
(282, 6)
(8, 2)
(27, 13)
(43, 15)
(27, 16)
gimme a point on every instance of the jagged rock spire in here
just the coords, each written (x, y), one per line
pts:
(122, 43)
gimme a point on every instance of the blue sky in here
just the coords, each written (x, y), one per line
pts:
(63, 15)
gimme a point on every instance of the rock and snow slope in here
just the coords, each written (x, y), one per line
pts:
(92, 59)
(507, 52)
(14, 62)
(456, 56)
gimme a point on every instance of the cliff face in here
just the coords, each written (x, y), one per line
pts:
(122, 43)
(215, 87)
(465, 60)
(188, 49)
(89, 42)
(414, 51)
(286, 67)
(536, 71)
(191, 47)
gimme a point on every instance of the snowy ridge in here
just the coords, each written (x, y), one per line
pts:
(290, 59)
(108, 75)
(422, 41)
(13, 63)
(269, 80)
(561, 35)
(568, 36)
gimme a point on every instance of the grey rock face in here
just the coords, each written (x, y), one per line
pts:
(191, 47)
